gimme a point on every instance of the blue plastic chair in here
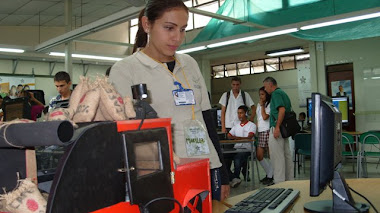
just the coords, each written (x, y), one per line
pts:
(302, 148)
(348, 140)
(370, 147)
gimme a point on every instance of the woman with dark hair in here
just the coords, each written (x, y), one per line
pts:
(155, 63)
(262, 112)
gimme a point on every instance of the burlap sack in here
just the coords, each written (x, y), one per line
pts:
(128, 107)
(2, 206)
(88, 106)
(26, 198)
(99, 115)
(79, 91)
(111, 103)
(60, 114)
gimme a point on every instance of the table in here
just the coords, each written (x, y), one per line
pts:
(252, 142)
(365, 186)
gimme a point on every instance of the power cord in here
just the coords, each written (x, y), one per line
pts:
(143, 113)
(364, 198)
(145, 210)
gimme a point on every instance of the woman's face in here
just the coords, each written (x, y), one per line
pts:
(166, 34)
(262, 95)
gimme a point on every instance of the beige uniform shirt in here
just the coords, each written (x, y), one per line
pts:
(140, 68)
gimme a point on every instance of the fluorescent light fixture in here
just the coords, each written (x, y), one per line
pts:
(11, 50)
(87, 56)
(56, 54)
(341, 21)
(264, 35)
(192, 49)
(375, 78)
(287, 51)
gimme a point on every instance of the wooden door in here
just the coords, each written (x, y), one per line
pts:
(342, 74)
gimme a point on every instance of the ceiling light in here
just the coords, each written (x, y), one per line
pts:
(106, 58)
(192, 49)
(249, 38)
(287, 51)
(341, 21)
(10, 50)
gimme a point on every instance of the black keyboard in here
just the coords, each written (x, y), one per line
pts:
(266, 200)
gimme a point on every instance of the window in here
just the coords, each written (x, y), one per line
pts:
(200, 20)
(244, 68)
(258, 66)
(218, 71)
(288, 62)
(272, 64)
(231, 70)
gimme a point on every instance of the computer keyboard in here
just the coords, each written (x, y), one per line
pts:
(266, 200)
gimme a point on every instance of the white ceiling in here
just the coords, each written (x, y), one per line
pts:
(51, 12)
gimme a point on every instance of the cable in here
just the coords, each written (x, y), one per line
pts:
(364, 198)
(143, 114)
(162, 198)
(344, 199)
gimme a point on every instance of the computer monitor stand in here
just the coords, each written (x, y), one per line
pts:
(337, 204)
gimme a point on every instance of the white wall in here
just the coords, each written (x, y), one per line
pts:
(364, 54)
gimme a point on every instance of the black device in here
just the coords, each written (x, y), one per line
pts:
(326, 157)
(147, 163)
(16, 108)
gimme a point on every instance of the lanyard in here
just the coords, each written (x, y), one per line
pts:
(175, 77)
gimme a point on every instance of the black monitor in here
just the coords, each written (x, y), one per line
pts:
(326, 157)
(340, 102)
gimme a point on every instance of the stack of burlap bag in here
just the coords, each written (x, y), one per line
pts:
(95, 101)
(26, 198)
(90, 101)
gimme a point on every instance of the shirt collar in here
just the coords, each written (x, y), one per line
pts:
(148, 61)
(232, 92)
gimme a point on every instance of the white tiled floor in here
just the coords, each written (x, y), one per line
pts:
(346, 170)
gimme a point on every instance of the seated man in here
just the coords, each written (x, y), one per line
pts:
(245, 129)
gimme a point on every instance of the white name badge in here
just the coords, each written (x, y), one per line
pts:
(183, 97)
(196, 138)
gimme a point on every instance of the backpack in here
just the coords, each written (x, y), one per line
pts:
(242, 95)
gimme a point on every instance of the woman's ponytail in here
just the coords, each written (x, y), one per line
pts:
(141, 36)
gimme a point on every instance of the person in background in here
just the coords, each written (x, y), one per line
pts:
(303, 122)
(302, 116)
(245, 129)
(26, 87)
(19, 88)
(263, 113)
(36, 107)
(341, 92)
(13, 92)
(230, 102)
(62, 82)
(155, 62)
(279, 149)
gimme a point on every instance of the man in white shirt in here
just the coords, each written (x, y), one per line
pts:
(245, 129)
(230, 102)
